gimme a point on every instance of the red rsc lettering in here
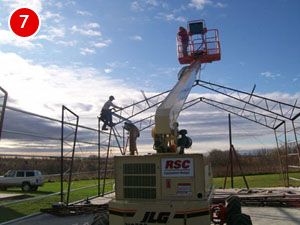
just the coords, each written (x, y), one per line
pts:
(171, 164)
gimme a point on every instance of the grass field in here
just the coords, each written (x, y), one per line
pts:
(27, 208)
(254, 181)
(31, 207)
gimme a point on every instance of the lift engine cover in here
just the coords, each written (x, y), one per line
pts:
(161, 189)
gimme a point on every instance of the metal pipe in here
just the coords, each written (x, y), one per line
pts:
(297, 143)
(286, 156)
(49, 118)
(62, 158)
(238, 161)
(73, 153)
(50, 138)
(99, 159)
(3, 110)
(106, 161)
(46, 196)
(231, 158)
(280, 160)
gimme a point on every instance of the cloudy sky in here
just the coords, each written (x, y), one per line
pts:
(88, 50)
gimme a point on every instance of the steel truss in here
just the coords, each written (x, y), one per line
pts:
(290, 114)
(281, 109)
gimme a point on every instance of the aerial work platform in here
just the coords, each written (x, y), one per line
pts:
(202, 44)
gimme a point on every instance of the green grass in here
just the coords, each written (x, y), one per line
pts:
(27, 208)
(254, 181)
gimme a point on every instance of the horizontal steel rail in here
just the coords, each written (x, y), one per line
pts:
(47, 196)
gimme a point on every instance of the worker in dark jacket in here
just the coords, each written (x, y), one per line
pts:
(184, 39)
(134, 133)
(106, 114)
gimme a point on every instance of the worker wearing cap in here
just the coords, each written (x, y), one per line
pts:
(106, 114)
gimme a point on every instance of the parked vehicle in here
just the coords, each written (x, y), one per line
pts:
(28, 180)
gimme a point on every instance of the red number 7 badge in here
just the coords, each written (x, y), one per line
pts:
(24, 22)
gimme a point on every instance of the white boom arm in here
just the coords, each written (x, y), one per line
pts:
(167, 113)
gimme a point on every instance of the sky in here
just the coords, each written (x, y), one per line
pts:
(86, 51)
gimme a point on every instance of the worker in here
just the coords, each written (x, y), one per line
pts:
(134, 133)
(106, 114)
(184, 39)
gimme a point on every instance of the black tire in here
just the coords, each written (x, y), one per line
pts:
(101, 219)
(241, 219)
(26, 187)
(233, 208)
(34, 188)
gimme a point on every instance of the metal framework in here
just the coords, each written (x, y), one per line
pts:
(71, 132)
(232, 153)
(264, 111)
(135, 109)
(290, 113)
(3, 109)
(261, 119)
(280, 109)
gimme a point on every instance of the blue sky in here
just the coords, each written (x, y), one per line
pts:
(88, 50)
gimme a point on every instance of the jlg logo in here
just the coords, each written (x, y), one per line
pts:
(176, 164)
(150, 217)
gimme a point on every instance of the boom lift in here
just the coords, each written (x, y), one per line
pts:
(170, 187)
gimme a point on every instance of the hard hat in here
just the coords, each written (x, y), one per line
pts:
(111, 98)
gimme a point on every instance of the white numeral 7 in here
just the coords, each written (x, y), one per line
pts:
(24, 21)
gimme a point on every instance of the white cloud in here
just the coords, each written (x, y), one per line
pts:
(136, 38)
(84, 51)
(200, 4)
(59, 5)
(8, 37)
(151, 2)
(107, 70)
(57, 32)
(105, 43)
(67, 43)
(220, 5)
(141, 5)
(36, 5)
(100, 44)
(93, 25)
(270, 75)
(135, 6)
(84, 13)
(49, 15)
(118, 64)
(52, 33)
(43, 89)
(170, 17)
(88, 32)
